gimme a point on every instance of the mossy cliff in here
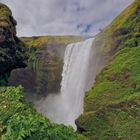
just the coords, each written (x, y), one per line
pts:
(112, 106)
(12, 50)
(43, 74)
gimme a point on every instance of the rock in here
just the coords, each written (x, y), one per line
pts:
(13, 53)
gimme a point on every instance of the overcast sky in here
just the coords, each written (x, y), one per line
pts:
(64, 17)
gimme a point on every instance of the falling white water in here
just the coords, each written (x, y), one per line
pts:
(77, 77)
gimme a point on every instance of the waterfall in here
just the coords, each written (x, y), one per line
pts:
(77, 77)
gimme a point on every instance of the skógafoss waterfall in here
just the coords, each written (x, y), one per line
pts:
(79, 71)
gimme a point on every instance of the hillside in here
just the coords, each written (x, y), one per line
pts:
(112, 106)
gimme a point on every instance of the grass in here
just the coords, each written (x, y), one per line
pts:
(118, 80)
(112, 106)
(41, 40)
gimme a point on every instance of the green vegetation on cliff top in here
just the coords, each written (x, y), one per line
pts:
(41, 40)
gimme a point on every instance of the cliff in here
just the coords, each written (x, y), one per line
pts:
(43, 73)
(13, 53)
(112, 106)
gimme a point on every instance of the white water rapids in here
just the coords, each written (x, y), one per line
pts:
(78, 76)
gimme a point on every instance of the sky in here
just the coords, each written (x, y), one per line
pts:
(64, 17)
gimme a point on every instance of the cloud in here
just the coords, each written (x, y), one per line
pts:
(64, 17)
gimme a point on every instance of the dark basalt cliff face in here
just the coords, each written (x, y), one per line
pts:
(13, 53)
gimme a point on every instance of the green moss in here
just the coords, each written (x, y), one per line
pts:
(117, 81)
(122, 18)
(6, 20)
(123, 31)
(33, 62)
(18, 120)
(42, 40)
(115, 121)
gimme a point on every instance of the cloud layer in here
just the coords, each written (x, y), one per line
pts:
(64, 17)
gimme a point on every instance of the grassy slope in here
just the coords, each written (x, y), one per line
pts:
(112, 105)
(109, 39)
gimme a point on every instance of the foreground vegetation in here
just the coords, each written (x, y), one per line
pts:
(19, 121)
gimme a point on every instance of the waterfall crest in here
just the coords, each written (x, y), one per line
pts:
(77, 78)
